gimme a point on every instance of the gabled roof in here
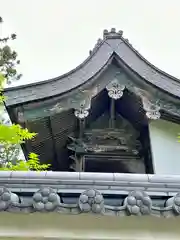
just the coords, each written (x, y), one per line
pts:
(113, 45)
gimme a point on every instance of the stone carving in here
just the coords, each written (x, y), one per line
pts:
(138, 203)
(91, 200)
(115, 90)
(45, 200)
(6, 198)
(176, 203)
(112, 33)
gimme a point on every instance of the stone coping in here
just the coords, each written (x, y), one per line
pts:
(137, 191)
(81, 176)
(76, 182)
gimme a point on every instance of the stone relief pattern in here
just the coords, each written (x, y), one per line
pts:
(45, 199)
(137, 203)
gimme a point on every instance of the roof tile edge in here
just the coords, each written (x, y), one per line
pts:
(112, 34)
(137, 202)
(88, 176)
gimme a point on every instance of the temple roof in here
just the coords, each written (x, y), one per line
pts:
(113, 46)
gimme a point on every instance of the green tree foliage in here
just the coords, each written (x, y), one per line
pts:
(32, 164)
(8, 58)
(11, 136)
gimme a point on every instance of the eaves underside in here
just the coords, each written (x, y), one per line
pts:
(98, 59)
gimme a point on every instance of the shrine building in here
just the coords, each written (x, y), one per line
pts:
(109, 128)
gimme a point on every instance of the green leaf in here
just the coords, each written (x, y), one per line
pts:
(12, 136)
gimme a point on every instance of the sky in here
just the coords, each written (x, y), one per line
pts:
(54, 36)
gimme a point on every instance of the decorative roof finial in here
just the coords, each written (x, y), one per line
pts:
(99, 40)
(112, 34)
(105, 33)
(120, 33)
(108, 35)
(113, 30)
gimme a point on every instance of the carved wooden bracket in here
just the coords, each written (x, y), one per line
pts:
(149, 104)
(152, 110)
(82, 112)
(115, 90)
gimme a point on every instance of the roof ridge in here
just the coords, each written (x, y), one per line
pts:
(98, 57)
(113, 34)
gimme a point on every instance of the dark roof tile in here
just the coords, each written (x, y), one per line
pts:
(112, 43)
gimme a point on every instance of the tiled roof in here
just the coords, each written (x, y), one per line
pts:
(112, 45)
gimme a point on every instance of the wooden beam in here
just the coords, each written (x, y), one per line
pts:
(112, 114)
(81, 127)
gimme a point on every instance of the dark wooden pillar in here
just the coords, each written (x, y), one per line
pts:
(115, 91)
(81, 114)
(112, 114)
(81, 127)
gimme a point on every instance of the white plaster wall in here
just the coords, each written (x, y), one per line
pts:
(165, 147)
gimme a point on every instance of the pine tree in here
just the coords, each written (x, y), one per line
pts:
(11, 136)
